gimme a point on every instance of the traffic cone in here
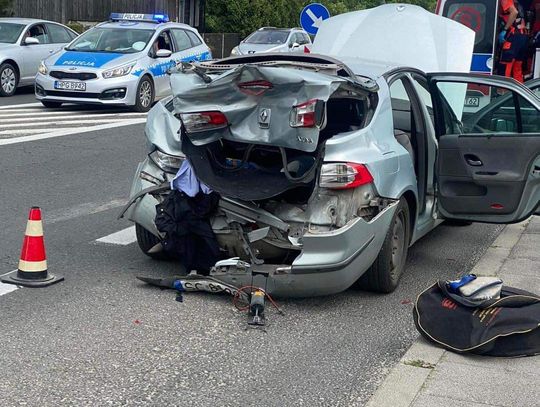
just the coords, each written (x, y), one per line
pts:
(32, 270)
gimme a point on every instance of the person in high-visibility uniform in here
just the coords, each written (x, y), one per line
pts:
(514, 39)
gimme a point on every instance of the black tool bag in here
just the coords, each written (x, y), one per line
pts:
(508, 326)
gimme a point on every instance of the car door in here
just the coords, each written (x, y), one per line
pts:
(33, 54)
(488, 164)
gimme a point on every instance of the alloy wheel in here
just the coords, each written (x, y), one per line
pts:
(7, 80)
(145, 94)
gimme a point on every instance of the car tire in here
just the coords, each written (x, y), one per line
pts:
(50, 105)
(384, 274)
(146, 241)
(145, 95)
(9, 79)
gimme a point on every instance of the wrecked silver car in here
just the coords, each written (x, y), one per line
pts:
(329, 168)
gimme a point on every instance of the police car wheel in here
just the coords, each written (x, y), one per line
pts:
(8, 79)
(49, 104)
(145, 95)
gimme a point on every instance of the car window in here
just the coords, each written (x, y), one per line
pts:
(163, 41)
(181, 39)
(306, 38)
(118, 40)
(421, 88)
(38, 31)
(401, 106)
(195, 40)
(268, 37)
(58, 34)
(9, 32)
(300, 39)
(496, 110)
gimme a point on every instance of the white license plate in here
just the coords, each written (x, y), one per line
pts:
(65, 85)
(472, 101)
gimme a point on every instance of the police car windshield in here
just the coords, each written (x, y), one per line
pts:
(9, 32)
(118, 40)
(268, 37)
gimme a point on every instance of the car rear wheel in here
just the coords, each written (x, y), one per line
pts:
(145, 95)
(50, 105)
(147, 241)
(384, 275)
(8, 79)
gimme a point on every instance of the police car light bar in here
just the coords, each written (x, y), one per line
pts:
(151, 18)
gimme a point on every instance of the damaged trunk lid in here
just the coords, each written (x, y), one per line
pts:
(255, 128)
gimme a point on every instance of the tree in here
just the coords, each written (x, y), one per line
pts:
(5, 8)
(246, 16)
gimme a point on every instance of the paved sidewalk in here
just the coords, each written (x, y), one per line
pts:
(428, 376)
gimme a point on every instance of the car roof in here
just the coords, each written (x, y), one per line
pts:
(142, 25)
(25, 21)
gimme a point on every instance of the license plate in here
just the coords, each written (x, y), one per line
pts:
(472, 101)
(66, 85)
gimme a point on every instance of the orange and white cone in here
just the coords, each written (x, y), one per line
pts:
(32, 270)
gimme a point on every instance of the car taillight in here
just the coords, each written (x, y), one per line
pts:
(203, 121)
(306, 50)
(344, 175)
(307, 114)
(255, 88)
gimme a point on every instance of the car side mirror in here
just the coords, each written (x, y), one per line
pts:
(294, 45)
(31, 41)
(163, 53)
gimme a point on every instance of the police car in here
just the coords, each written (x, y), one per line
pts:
(121, 62)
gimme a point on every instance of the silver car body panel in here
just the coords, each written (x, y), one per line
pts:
(291, 87)
(329, 260)
(28, 57)
(418, 38)
(99, 62)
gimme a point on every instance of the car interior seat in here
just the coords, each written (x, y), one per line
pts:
(401, 112)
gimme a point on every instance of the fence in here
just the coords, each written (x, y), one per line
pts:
(99, 10)
(221, 44)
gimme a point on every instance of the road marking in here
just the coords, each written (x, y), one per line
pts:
(67, 132)
(36, 123)
(21, 105)
(85, 209)
(66, 116)
(122, 238)
(58, 123)
(7, 288)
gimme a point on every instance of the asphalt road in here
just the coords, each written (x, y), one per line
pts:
(22, 95)
(103, 338)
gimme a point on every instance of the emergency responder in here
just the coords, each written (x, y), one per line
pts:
(514, 40)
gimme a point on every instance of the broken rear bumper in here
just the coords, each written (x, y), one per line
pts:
(330, 262)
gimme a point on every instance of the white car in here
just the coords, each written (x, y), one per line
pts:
(121, 62)
(271, 39)
(24, 42)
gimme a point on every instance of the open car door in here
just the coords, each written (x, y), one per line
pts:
(488, 165)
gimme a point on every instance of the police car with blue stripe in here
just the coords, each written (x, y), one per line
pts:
(121, 62)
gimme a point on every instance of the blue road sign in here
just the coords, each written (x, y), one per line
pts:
(312, 17)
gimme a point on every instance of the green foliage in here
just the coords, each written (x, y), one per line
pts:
(245, 16)
(75, 26)
(5, 8)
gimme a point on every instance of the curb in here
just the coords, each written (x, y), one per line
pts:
(401, 387)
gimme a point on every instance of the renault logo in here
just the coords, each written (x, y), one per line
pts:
(264, 118)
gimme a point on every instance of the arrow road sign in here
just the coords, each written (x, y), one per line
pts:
(312, 17)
